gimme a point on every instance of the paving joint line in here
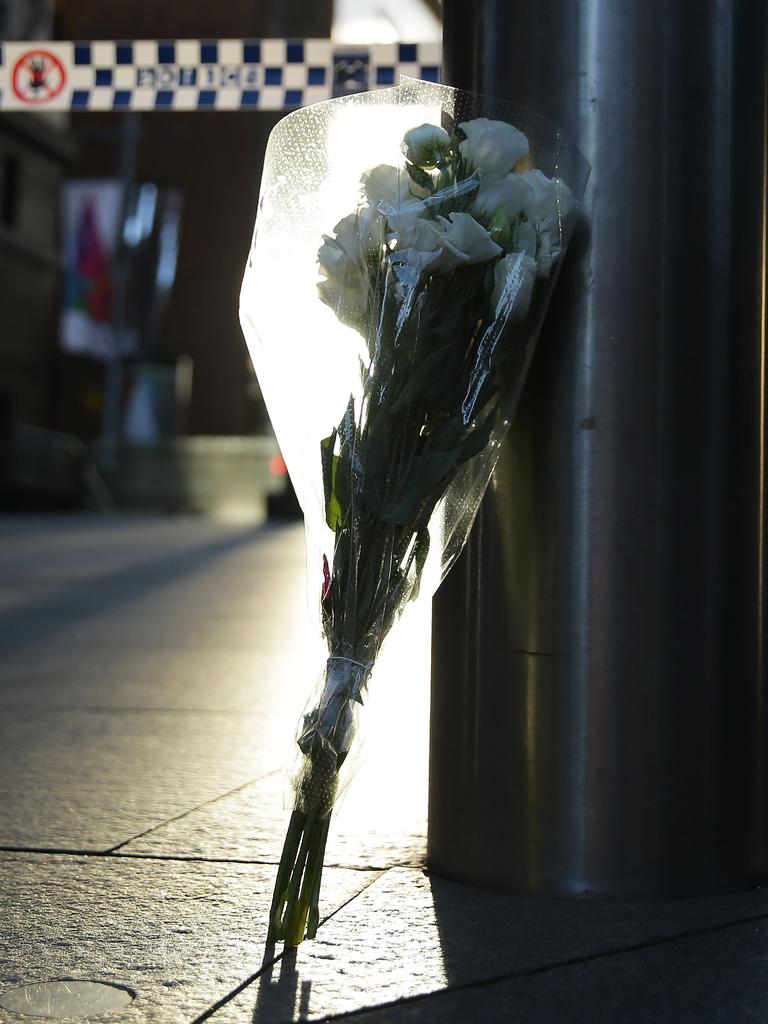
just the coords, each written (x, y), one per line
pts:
(543, 969)
(190, 858)
(105, 709)
(200, 859)
(55, 850)
(192, 810)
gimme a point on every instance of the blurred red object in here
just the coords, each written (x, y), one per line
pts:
(277, 466)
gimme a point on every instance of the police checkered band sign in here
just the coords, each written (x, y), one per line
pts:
(198, 74)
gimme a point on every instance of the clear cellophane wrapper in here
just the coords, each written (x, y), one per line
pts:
(392, 300)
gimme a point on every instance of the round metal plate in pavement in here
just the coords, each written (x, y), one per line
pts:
(68, 998)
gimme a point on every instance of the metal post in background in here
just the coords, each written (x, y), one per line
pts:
(113, 378)
(599, 690)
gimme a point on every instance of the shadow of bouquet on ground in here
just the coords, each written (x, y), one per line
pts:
(281, 998)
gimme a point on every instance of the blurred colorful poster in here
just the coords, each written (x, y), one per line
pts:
(91, 212)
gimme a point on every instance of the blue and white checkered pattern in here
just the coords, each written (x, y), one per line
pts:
(193, 74)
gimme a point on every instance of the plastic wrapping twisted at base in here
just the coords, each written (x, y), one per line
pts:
(326, 736)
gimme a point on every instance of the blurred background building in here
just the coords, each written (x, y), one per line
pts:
(189, 405)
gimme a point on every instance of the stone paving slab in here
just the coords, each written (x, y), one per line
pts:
(161, 584)
(371, 829)
(382, 818)
(180, 935)
(717, 978)
(89, 779)
(144, 670)
(409, 935)
(63, 543)
(125, 675)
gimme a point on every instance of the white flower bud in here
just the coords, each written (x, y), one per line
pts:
(426, 145)
(512, 192)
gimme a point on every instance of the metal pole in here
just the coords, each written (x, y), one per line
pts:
(599, 687)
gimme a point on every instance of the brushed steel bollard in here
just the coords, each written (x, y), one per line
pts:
(599, 702)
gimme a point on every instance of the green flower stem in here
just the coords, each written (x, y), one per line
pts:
(287, 860)
(293, 904)
(301, 895)
(316, 877)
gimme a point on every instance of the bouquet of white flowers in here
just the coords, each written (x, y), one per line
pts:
(414, 319)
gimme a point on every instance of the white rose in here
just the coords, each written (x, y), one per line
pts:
(551, 205)
(354, 238)
(416, 233)
(493, 146)
(388, 184)
(441, 245)
(466, 241)
(551, 199)
(347, 300)
(426, 145)
(343, 260)
(525, 239)
(402, 217)
(512, 192)
(408, 266)
(513, 279)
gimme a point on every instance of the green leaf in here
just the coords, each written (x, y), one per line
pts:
(478, 438)
(418, 176)
(448, 436)
(333, 511)
(430, 378)
(337, 469)
(422, 548)
(347, 428)
(342, 485)
(420, 555)
(326, 460)
(500, 227)
(342, 481)
(427, 473)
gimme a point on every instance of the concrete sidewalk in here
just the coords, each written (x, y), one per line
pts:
(151, 675)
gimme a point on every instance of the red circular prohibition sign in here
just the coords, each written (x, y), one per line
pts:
(38, 76)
